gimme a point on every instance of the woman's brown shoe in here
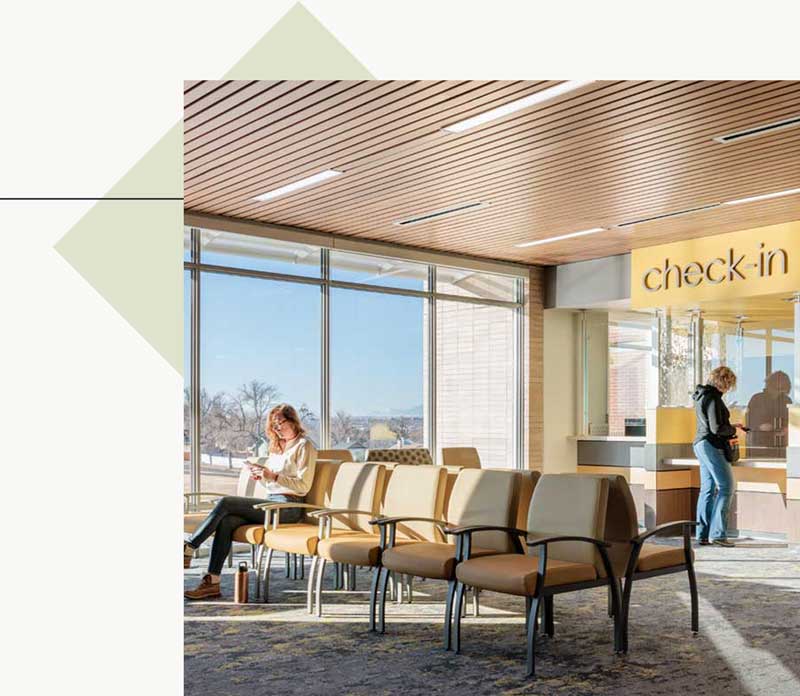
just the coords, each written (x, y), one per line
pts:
(205, 590)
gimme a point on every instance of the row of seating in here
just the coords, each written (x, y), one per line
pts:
(470, 528)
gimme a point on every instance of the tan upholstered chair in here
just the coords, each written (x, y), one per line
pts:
(408, 455)
(415, 493)
(634, 559)
(566, 521)
(478, 498)
(356, 485)
(290, 539)
(341, 455)
(465, 457)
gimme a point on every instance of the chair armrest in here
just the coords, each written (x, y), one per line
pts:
(281, 506)
(662, 527)
(551, 539)
(395, 520)
(484, 528)
(325, 512)
(200, 494)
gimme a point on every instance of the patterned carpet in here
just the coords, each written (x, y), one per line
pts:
(749, 638)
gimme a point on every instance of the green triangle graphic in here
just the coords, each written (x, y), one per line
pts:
(131, 251)
(298, 47)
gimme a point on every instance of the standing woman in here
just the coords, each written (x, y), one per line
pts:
(714, 430)
(286, 477)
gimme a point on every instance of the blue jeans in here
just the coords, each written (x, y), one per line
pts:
(231, 512)
(712, 512)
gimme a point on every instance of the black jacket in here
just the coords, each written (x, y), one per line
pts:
(713, 417)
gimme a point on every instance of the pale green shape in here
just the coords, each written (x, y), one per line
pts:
(298, 47)
(131, 252)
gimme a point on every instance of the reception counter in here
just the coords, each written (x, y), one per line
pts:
(665, 479)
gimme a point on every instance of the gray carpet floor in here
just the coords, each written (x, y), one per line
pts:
(749, 640)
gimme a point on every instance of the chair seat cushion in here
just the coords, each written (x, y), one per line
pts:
(515, 573)
(356, 548)
(657, 556)
(293, 538)
(426, 559)
(249, 533)
(192, 520)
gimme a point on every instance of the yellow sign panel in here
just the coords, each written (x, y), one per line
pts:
(761, 261)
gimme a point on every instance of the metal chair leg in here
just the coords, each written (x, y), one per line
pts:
(695, 603)
(352, 578)
(382, 603)
(458, 613)
(410, 586)
(230, 557)
(373, 595)
(259, 568)
(400, 587)
(286, 563)
(532, 628)
(267, 564)
(252, 555)
(320, 575)
(528, 601)
(310, 588)
(448, 613)
(475, 601)
(302, 566)
(549, 623)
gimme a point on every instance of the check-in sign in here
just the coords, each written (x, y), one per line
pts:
(762, 261)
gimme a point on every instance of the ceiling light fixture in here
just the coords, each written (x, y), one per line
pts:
(426, 217)
(560, 237)
(793, 122)
(677, 213)
(297, 185)
(517, 105)
(762, 198)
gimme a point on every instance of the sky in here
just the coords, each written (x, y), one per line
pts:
(270, 331)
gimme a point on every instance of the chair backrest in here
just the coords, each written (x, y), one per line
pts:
(416, 491)
(324, 476)
(410, 455)
(570, 504)
(357, 486)
(342, 455)
(465, 457)
(523, 492)
(484, 496)
(621, 522)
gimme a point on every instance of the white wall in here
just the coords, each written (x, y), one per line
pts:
(560, 376)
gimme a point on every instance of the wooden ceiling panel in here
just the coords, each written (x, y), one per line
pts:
(607, 153)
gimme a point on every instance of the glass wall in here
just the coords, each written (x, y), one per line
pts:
(376, 357)
(762, 358)
(630, 357)
(349, 339)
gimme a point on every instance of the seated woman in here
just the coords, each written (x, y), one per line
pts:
(285, 478)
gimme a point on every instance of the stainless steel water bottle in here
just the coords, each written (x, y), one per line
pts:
(240, 584)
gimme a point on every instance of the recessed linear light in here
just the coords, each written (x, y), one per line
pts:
(517, 105)
(297, 185)
(677, 213)
(767, 128)
(762, 198)
(425, 217)
(560, 237)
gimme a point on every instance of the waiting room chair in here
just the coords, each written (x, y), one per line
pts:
(633, 559)
(356, 484)
(341, 455)
(465, 457)
(414, 493)
(479, 497)
(408, 455)
(566, 521)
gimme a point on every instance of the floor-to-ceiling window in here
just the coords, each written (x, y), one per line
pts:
(362, 345)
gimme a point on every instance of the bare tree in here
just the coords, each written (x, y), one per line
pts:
(249, 407)
(343, 428)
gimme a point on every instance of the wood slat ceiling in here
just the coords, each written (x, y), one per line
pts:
(608, 153)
